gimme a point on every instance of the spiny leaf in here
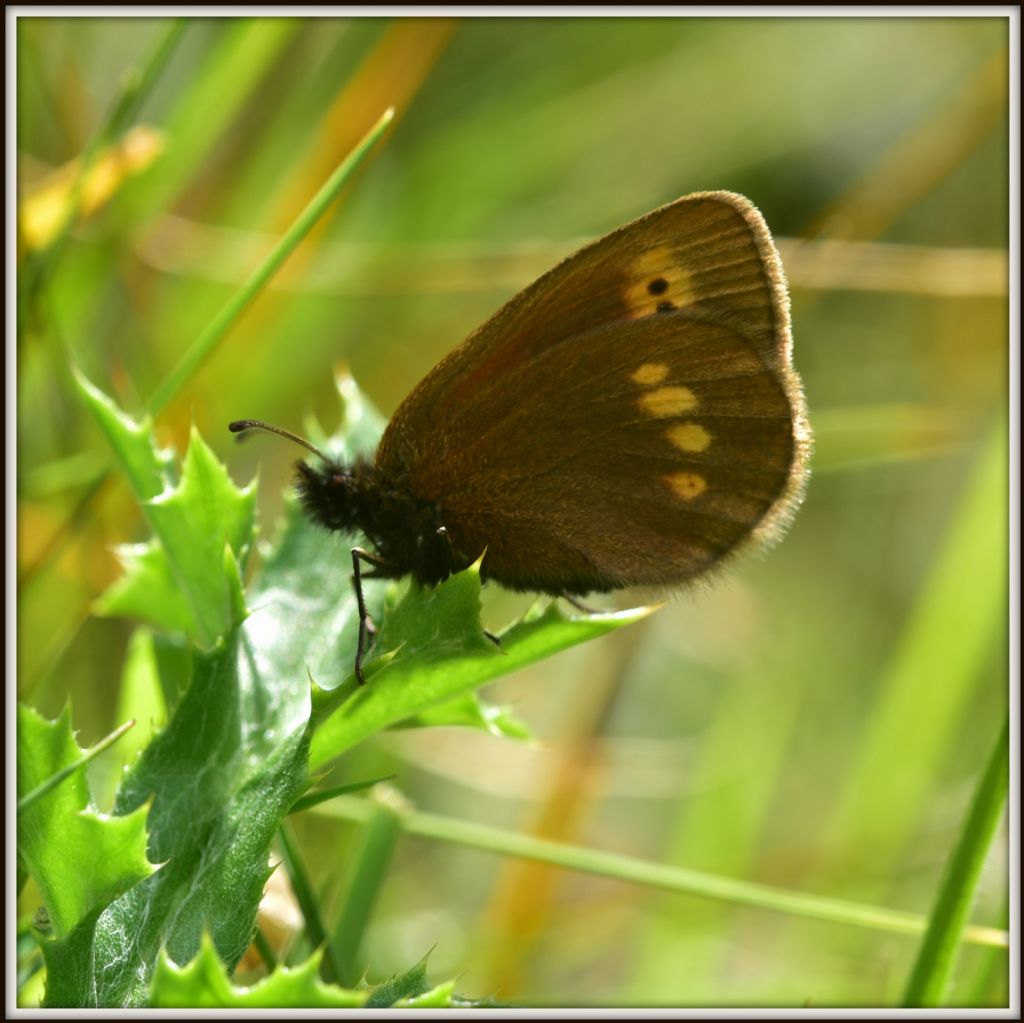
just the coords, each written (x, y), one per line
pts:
(146, 591)
(220, 778)
(440, 654)
(439, 997)
(204, 983)
(147, 468)
(80, 859)
(197, 522)
(187, 578)
(235, 755)
(411, 984)
(470, 711)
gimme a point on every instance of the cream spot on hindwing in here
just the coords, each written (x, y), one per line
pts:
(690, 437)
(650, 373)
(686, 485)
(667, 401)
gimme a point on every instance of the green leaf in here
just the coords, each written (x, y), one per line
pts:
(411, 991)
(439, 997)
(302, 619)
(470, 711)
(234, 756)
(411, 984)
(69, 967)
(188, 577)
(147, 590)
(220, 779)
(437, 652)
(204, 525)
(147, 468)
(230, 763)
(80, 859)
(204, 983)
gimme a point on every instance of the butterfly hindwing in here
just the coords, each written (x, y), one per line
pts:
(671, 442)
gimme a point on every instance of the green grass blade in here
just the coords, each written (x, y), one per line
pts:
(54, 780)
(238, 63)
(239, 302)
(933, 671)
(657, 875)
(989, 987)
(259, 939)
(930, 979)
(309, 903)
(138, 81)
(366, 878)
(322, 795)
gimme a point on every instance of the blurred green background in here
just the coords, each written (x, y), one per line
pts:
(816, 719)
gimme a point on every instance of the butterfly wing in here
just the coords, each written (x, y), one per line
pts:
(631, 417)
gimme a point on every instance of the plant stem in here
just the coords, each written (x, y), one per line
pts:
(657, 875)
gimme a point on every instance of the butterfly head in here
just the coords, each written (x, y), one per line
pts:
(329, 493)
(327, 488)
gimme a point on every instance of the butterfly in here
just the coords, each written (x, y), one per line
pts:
(631, 418)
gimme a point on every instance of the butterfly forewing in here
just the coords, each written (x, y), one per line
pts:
(631, 417)
(709, 252)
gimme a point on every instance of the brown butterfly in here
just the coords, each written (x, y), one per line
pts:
(630, 418)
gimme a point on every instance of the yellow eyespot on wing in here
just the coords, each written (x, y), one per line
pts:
(689, 437)
(667, 401)
(686, 485)
(658, 284)
(650, 374)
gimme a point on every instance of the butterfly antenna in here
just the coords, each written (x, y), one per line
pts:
(241, 425)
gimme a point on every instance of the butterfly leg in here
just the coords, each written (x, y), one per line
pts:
(366, 628)
(579, 606)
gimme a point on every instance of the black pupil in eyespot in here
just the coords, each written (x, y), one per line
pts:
(658, 286)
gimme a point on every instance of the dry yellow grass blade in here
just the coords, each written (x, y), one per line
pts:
(67, 192)
(180, 246)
